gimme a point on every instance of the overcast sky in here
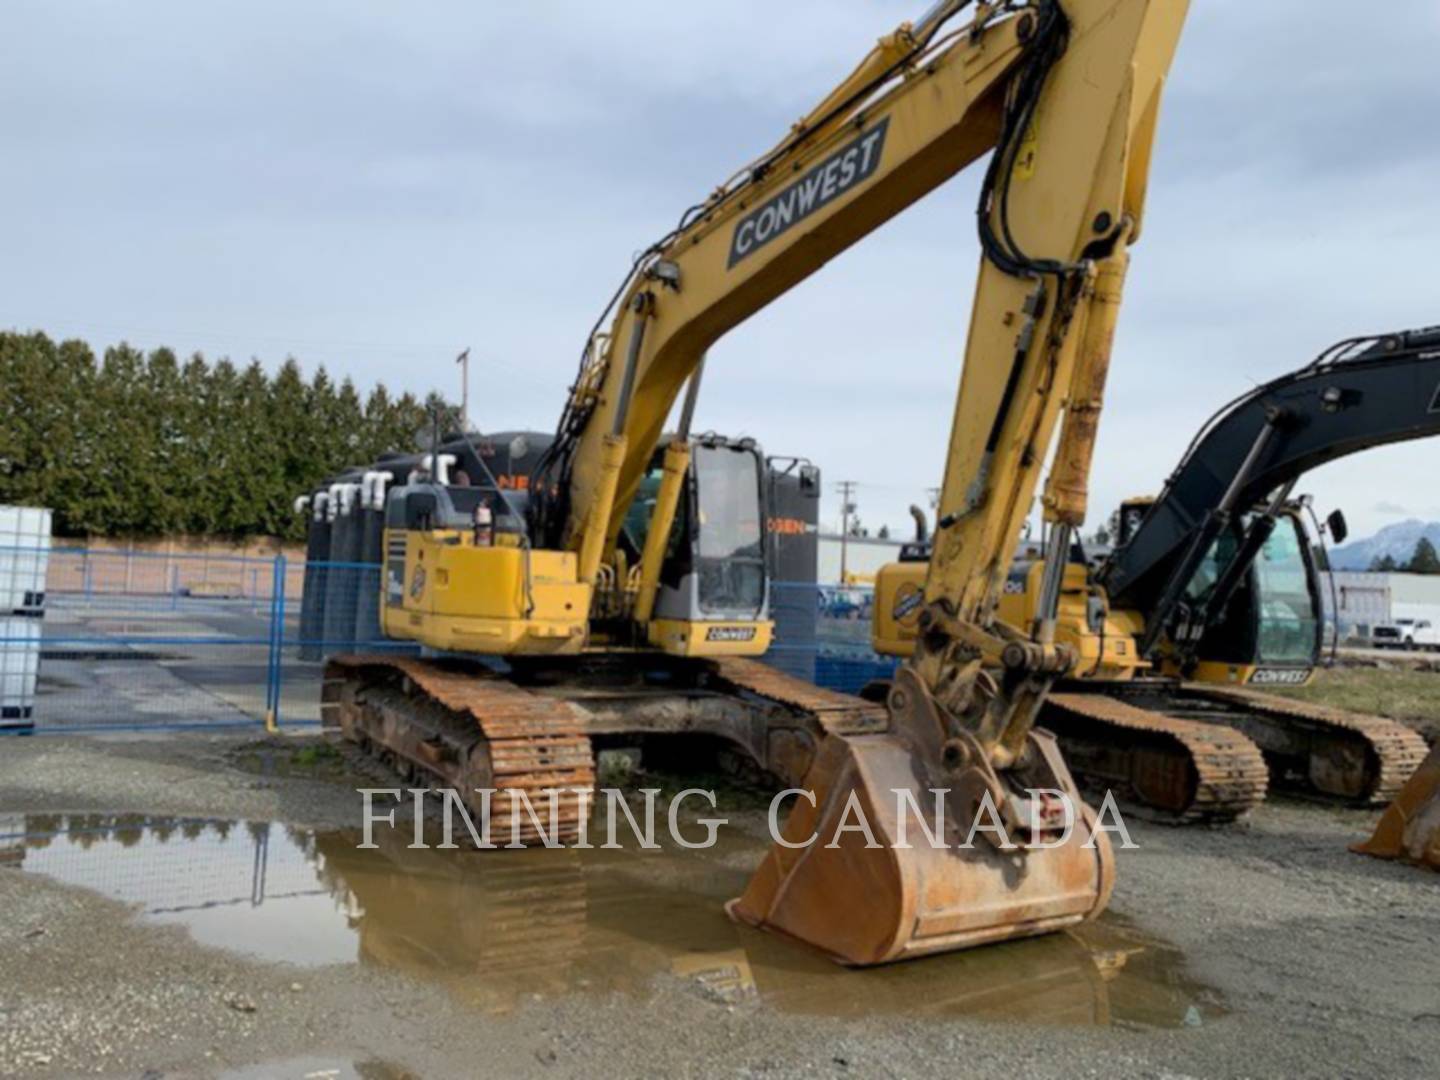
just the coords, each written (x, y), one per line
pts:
(374, 186)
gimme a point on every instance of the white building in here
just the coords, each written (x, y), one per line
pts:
(864, 556)
(1363, 599)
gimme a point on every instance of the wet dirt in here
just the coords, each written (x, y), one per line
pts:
(320, 1068)
(500, 930)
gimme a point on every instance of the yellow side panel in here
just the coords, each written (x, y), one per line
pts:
(899, 598)
(1109, 654)
(463, 598)
(678, 637)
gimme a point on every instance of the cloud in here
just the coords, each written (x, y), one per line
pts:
(374, 187)
(1392, 509)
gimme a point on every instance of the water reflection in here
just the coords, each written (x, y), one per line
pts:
(499, 929)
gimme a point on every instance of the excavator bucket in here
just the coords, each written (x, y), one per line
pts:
(885, 890)
(1410, 827)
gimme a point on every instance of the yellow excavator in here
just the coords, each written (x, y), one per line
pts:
(559, 620)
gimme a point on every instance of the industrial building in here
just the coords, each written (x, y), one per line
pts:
(1361, 600)
(861, 556)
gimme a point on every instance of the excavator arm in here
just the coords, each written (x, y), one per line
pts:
(1068, 94)
(1361, 393)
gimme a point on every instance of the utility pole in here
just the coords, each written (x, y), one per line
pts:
(846, 488)
(464, 361)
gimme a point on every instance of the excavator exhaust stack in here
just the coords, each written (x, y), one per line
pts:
(869, 873)
(1409, 830)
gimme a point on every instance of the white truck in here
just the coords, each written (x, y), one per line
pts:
(1406, 634)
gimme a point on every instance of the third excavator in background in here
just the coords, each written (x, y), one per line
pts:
(1212, 594)
(563, 618)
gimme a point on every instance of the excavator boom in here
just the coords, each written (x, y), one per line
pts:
(1184, 592)
(1359, 394)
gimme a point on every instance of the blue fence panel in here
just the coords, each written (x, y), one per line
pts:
(130, 640)
(139, 640)
(330, 608)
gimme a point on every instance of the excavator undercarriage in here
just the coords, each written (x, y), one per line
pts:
(460, 724)
(1197, 752)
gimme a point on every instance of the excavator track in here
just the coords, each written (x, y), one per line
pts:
(471, 730)
(1318, 750)
(807, 714)
(835, 713)
(1184, 771)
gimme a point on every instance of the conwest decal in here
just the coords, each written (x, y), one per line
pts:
(730, 633)
(843, 170)
(1280, 677)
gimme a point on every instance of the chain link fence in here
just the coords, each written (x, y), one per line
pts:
(128, 641)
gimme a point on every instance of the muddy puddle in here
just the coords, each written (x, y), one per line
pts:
(500, 929)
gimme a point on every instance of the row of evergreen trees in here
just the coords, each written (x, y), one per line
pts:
(135, 444)
(1424, 560)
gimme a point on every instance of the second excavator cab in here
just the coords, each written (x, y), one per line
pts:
(1270, 631)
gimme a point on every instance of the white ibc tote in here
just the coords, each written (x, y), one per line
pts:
(24, 560)
(19, 670)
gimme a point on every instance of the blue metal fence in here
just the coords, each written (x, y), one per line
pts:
(144, 641)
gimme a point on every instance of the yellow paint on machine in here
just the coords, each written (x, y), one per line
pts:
(1216, 671)
(1106, 653)
(456, 596)
(492, 600)
(679, 637)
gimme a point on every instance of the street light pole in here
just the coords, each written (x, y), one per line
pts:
(464, 361)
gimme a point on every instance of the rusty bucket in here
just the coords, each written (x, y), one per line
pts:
(870, 899)
(1410, 827)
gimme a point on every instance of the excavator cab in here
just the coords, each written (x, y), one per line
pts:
(712, 596)
(1271, 630)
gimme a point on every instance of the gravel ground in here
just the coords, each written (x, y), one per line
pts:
(1325, 961)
